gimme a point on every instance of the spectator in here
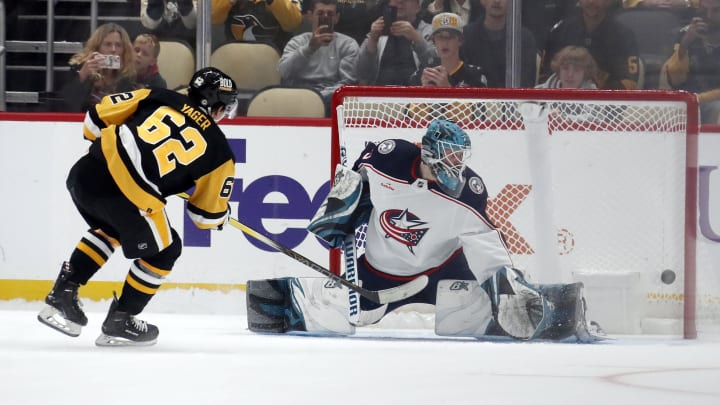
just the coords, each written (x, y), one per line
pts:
(394, 49)
(323, 59)
(695, 63)
(106, 65)
(448, 70)
(660, 3)
(539, 16)
(573, 68)
(357, 15)
(267, 21)
(174, 20)
(468, 10)
(611, 44)
(147, 49)
(484, 46)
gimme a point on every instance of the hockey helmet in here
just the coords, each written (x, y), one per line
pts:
(215, 92)
(446, 149)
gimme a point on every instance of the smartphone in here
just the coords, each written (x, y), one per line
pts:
(110, 61)
(328, 22)
(434, 61)
(389, 17)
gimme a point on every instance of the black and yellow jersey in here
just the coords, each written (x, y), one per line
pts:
(611, 44)
(157, 143)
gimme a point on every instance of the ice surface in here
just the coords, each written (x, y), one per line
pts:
(214, 359)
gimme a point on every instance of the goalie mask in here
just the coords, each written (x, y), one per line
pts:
(446, 149)
(215, 91)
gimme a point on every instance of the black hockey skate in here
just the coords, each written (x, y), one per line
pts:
(123, 329)
(63, 311)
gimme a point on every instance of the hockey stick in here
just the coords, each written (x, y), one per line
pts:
(379, 297)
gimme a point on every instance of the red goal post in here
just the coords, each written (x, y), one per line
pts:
(589, 185)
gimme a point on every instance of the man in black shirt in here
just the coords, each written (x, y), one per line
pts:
(485, 41)
(610, 43)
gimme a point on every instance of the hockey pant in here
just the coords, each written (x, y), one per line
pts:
(114, 221)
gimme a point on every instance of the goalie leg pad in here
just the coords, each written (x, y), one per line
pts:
(507, 305)
(462, 308)
(537, 311)
(563, 312)
(298, 304)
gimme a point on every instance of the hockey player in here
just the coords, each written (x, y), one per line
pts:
(426, 214)
(146, 145)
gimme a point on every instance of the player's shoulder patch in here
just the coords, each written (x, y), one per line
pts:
(476, 185)
(386, 146)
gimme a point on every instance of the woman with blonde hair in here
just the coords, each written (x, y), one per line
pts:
(573, 67)
(106, 65)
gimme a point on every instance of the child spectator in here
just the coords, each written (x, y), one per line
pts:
(449, 69)
(147, 49)
(573, 68)
(611, 44)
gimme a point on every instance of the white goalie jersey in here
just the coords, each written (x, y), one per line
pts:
(415, 227)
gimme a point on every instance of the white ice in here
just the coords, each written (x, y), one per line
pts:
(213, 359)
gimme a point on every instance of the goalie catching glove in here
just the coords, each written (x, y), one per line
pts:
(346, 207)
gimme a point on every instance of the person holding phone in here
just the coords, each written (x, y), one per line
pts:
(106, 65)
(322, 59)
(448, 69)
(695, 64)
(395, 46)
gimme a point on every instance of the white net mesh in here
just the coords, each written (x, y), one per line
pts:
(578, 187)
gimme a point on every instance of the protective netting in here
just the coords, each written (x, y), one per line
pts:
(369, 112)
(576, 186)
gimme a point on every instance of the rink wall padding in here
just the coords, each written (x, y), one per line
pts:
(282, 175)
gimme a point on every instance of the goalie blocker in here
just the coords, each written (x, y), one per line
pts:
(504, 305)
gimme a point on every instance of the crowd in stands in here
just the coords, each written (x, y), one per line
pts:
(324, 44)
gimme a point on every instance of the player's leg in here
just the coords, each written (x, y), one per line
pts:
(155, 246)
(88, 186)
(64, 310)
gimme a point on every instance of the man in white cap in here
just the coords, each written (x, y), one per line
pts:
(448, 70)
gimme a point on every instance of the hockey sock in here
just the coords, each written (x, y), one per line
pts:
(142, 282)
(90, 254)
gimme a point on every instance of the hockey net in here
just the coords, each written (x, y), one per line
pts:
(591, 186)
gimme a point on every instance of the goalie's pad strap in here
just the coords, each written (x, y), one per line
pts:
(303, 304)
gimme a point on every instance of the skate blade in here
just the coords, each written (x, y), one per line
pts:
(53, 318)
(113, 341)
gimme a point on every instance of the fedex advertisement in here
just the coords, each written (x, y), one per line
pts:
(282, 176)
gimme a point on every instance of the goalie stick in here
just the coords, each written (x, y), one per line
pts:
(379, 297)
